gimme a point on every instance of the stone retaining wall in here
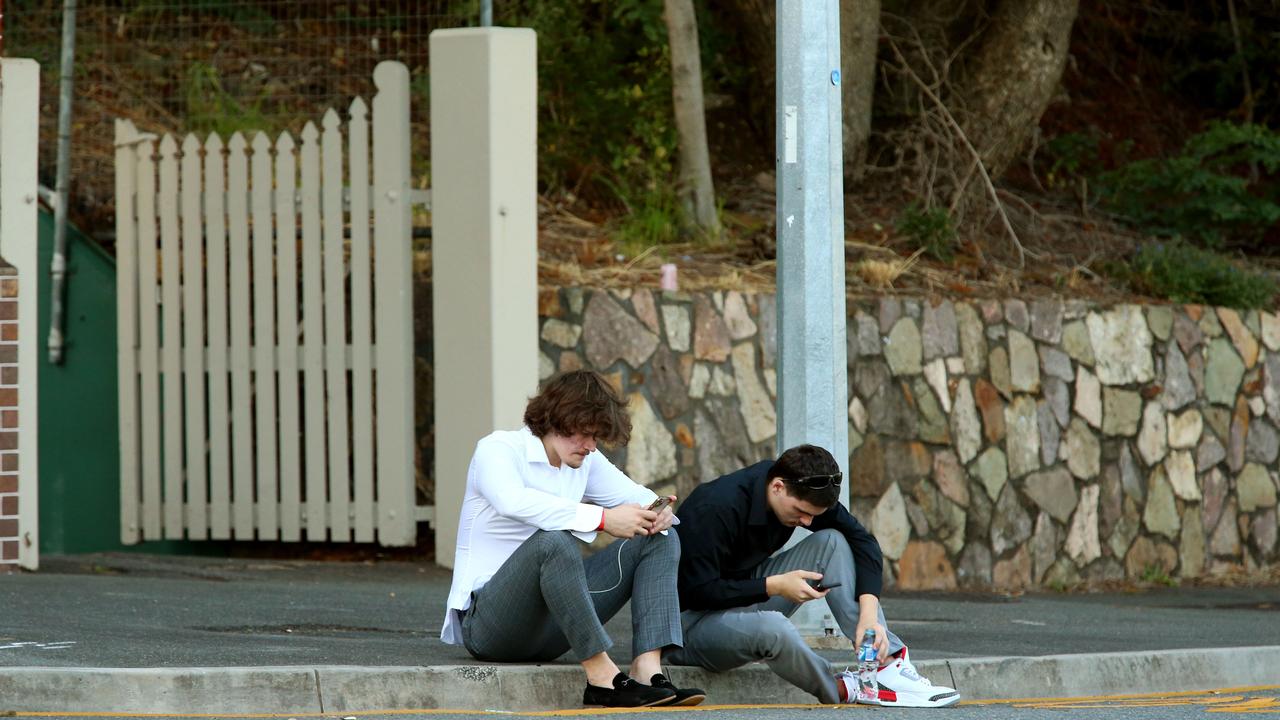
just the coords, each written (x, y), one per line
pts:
(992, 444)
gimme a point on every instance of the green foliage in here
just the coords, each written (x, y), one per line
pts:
(1218, 190)
(1157, 575)
(246, 15)
(1070, 155)
(1199, 47)
(604, 86)
(606, 128)
(210, 108)
(652, 218)
(1183, 273)
(929, 229)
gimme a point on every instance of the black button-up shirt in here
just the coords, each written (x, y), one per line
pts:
(727, 529)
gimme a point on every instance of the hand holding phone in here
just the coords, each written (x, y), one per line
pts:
(823, 587)
(661, 502)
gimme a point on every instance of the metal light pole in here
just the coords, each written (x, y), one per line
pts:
(58, 269)
(812, 373)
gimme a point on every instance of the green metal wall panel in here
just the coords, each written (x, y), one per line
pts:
(79, 435)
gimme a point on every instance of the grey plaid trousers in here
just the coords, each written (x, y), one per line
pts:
(545, 599)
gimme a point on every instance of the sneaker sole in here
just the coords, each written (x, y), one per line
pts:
(913, 702)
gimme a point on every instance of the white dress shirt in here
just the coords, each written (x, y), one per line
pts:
(512, 491)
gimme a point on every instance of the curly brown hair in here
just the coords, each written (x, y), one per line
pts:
(579, 401)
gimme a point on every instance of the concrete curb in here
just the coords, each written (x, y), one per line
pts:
(334, 689)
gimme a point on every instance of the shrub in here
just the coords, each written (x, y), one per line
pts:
(604, 93)
(1156, 575)
(929, 229)
(1217, 191)
(1183, 273)
(1069, 155)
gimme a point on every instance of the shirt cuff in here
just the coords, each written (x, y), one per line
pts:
(587, 518)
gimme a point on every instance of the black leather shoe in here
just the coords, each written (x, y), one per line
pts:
(685, 696)
(626, 693)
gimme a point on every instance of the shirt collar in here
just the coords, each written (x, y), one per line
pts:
(759, 500)
(534, 450)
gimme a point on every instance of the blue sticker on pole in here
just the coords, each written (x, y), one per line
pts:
(835, 77)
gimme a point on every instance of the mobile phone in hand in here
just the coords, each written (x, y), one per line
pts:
(661, 502)
(820, 587)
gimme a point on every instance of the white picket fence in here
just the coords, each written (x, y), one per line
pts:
(265, 344)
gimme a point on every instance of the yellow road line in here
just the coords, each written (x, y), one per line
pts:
(1253, 705)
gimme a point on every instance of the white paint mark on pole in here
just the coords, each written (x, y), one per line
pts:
(791, 121)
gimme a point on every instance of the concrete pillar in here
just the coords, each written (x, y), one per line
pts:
(812, 374)
(484, 248)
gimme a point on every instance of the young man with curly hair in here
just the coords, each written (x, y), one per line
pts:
(521, 589)
(738, 596)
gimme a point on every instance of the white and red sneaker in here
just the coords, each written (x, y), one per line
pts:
(901, 686)
(848, 686)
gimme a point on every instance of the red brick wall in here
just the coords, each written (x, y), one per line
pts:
(9, 533)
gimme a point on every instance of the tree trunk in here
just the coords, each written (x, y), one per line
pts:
(696, 189)
(859, 39)
(1012, 75)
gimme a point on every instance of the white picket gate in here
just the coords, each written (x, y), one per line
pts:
(265, 344)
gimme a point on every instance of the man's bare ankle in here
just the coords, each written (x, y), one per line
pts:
(600, 671)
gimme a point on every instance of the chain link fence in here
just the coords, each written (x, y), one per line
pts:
(215, 65)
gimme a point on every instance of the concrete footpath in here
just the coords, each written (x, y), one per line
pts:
(151, 634)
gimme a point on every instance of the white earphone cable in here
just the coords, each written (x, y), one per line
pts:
(615, 585)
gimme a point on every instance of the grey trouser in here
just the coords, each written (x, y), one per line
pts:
(721, 640)
(545, 599)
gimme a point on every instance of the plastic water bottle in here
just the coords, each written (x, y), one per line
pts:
(868, 665)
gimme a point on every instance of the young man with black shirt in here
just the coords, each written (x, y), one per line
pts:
(737, 599)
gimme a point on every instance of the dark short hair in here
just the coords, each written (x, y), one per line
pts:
(579, 401)
(806, 461)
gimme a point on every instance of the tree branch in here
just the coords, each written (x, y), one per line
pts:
(981, 167)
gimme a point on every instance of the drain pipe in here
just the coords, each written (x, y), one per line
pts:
(58, 270)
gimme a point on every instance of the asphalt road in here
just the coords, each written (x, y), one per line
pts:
(149, 611)
(1189, 706)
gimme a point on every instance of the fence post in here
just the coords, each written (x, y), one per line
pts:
(19, 137)
(393, 305)
(127, 333)
(484, 252)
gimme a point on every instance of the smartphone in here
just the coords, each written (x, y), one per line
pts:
(820, 587)
(661, 502)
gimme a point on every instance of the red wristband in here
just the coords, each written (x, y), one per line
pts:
(601, 520)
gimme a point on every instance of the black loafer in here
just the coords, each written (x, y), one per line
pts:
(684, 696)
(626, 693)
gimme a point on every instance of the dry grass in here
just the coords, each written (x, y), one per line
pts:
(881, 274)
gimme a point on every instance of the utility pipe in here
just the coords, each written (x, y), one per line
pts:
(58, 269)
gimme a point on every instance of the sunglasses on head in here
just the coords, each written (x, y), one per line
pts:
(818, 482)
